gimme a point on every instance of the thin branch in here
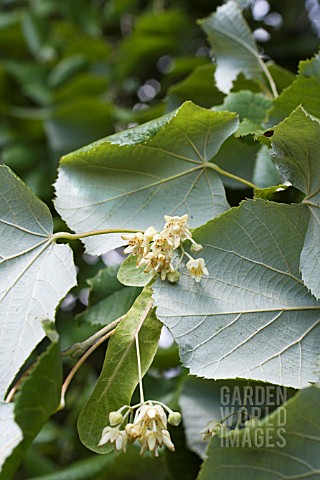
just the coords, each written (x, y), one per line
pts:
(79, 348)
(16, 386)
(76, 367)
(139, 368)
(77, 236)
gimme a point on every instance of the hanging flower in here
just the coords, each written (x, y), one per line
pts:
(197, 268)
(148, 237)
(157, 263)
(115, 436)
(135, 246)
(152, 421)
(149, 428)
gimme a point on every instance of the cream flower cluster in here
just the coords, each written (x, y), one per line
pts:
(154, 250)
(148, 427)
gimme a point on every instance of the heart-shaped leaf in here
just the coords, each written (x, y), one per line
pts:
(252, 317)
(233, 46)
(133, 178)
(296, 144)
(35, 273)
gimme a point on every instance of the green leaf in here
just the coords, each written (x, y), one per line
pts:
(242, 164)
(116, 466)
(183, 463)
(198, 87)
(108, 298)
(119, 376)
(285, 445)
(82, 85)
(303, 91)
(282, 77)
(204, 401)
(273, 193)
(77, 122)
(37, 400)
(200, 403)
(34, 32)
(265, 172)
(35, 273)
(133, 178)
(251, 107)
(85, 469)
(66, 69)
(296, 144)
(233, 46)
(154, 34)
(11, 433)
(131, 275)
(252, 317)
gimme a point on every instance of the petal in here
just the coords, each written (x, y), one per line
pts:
(119, 442)
(104, 439)
(151, 442)
(151, 412)
(167, 440)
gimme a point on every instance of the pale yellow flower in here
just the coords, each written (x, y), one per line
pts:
(148, 237)
(177, 229)
(157, 263)
(135, 246)
(114, 436)
(162, 244)
(197, 268)
(149, 428)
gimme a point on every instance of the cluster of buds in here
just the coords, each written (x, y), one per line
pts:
(148, 427)
(212, 429)
(239, 419)
(154, 250)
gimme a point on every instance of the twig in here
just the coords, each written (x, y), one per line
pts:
(79, 348)
(139, 368)
(77, 236)
(76, 367)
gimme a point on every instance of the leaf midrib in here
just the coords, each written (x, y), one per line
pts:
(129, 346)
(140, 189)
(243, 43)
(244, 312)
(29, 264)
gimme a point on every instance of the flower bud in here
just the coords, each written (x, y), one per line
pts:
(173, 277)
(133, 431)
(115, 418)
(196, 247)
(174, 418)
